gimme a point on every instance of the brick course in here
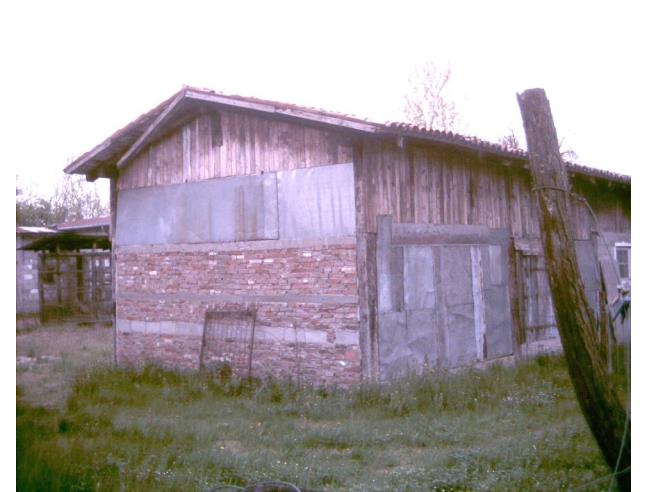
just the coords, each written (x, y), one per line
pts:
(303, 363)
(322, 270)
(180, 286)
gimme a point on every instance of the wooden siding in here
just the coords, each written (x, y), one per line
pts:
(415, 184)
(427, 185)
(230, 143)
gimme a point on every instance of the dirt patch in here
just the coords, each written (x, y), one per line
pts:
(49, 358)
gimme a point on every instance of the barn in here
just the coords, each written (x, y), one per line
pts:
(277, 239)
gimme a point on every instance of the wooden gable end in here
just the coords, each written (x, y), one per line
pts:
(231, 143)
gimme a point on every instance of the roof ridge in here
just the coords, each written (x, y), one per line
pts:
(135, 128)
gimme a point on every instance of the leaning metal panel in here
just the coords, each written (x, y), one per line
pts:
(228, 342)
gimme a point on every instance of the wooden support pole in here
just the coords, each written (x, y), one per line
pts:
(367, 276)
(599, 402)
(59, 291)
(41, 282)
(113, 263)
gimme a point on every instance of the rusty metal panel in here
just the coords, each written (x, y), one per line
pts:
(217, 210)
(317, 202)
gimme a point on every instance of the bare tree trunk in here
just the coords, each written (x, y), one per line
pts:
(598, 400)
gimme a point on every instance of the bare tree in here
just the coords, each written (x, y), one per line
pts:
(428, 103)
(510, 141)
(77, 199)
(567, 154)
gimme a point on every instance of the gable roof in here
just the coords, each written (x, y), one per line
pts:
(124, 144)
(34, 230)
(93, 222)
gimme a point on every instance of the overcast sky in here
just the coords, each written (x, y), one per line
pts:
(78, 71)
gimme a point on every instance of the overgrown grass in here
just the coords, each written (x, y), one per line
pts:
(515, 428)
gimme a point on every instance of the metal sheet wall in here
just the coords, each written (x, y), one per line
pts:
(228, 209)
(317, 202)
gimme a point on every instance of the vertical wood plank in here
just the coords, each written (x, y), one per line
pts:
(186, 153)
(479, 308)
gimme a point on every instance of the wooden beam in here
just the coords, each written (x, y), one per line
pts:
(113, 264)
(75, 165)
(103, 171)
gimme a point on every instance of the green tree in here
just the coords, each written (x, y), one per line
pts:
(73, 199)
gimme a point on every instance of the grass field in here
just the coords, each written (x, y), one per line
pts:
(107, 429)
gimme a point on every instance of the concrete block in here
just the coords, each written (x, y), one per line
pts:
(289, 335)
(152, 327)
(311, 336)
(166, 327)
(123, 326)
(347, 337)
(137, 326)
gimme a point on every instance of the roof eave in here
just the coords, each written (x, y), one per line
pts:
(494, 150)
(91, 163)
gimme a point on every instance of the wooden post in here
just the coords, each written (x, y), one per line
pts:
(41, 281)
(59, 292)
(366, 268)
(603, 410)
(113, 263)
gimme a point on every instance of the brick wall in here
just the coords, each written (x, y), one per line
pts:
(305, 299)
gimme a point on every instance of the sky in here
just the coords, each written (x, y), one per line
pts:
(78, 71)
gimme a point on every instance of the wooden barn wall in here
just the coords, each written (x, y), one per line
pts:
(610, 202)
(427, 185)
(230, 143)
